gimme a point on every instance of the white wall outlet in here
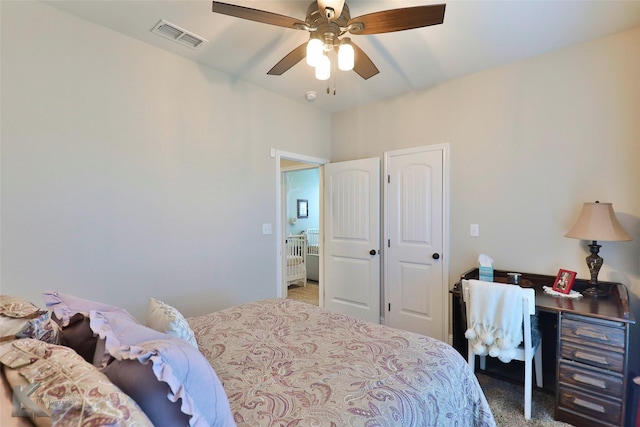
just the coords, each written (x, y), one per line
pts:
(474, 230)
(266, 229)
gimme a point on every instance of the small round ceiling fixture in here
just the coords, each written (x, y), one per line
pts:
(311, 95)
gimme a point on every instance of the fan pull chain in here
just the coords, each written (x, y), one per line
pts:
(333, 75)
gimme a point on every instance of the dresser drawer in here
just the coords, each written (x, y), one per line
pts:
(576, 375)
(589, 406)
(600, 334)
(592, 356)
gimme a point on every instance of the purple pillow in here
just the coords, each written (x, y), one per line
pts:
(66, 306)
(120, 329)
(188, 381)
(72, 315)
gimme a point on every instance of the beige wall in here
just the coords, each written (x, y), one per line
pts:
(130, 172)
(530, 142)
(120, 175)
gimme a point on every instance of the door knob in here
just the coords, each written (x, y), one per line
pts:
(435, 256)
(372, 252)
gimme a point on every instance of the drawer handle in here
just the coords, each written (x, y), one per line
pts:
(589, 405)
(591, 334)
(591, 357)
(590, 381)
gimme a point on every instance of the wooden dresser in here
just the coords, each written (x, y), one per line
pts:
(585, 344)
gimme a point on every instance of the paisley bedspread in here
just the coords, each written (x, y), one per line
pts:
(288, 363)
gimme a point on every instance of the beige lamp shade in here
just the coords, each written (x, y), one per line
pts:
(597, 221)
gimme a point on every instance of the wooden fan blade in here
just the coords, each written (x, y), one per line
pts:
(363, 65)
(387, 21)
(291, 59)
(256, 15)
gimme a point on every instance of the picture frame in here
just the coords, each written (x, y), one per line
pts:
(564, 281)
(303, 208)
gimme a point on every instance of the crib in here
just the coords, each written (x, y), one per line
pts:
(296, 259)
(313, 253)
(312, 240)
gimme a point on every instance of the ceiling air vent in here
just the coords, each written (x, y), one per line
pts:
(177, 34)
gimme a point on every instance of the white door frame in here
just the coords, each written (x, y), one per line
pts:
(281, 220)
(445, 225)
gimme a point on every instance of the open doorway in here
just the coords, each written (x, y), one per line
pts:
(301, 194)
(299, 185)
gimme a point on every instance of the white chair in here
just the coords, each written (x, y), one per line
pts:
(524, 352)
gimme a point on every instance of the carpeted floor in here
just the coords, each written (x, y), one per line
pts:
(507, 404)
(308, 294)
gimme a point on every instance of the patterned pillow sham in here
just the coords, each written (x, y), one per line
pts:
(10, 326)
(42, 328)
(165, 318)
(15, 313)
(71, 391)
(17, 307)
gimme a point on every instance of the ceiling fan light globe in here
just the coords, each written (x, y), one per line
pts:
(346, 56)
(323, 68)
(315, 51)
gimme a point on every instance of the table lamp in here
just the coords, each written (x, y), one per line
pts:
(597, 221)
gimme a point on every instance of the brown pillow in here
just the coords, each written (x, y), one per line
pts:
(139, 382)
(78, 336)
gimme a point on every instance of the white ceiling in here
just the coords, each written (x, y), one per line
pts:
(476, 35)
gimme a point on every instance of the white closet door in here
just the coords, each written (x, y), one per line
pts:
(352, 238)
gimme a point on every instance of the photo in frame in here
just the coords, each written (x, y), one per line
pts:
(303, 208)
(564, 281)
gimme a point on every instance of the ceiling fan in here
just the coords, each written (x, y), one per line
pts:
(326, 21)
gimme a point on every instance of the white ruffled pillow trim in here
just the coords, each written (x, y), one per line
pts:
(153, 351)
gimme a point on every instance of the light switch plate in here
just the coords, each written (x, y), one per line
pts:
(474, 230)
(266, 229)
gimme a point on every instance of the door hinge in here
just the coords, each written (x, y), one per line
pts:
(388, 243)
(388, 179)
(389, 306)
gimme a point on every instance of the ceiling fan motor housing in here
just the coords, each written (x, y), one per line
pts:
(331, 9)
(326, 30)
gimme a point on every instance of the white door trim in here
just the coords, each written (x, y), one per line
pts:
(281, 220)
(445, 148)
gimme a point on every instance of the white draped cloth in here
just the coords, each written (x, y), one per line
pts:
(494, 319)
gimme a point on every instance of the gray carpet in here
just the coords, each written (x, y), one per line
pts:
(507, 404)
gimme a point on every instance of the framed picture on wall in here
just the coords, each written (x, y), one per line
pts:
(303, 208)
(564, 281)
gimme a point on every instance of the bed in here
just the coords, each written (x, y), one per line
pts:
(281, 362)
(296, 248)
(284, 362)
(313, 253)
